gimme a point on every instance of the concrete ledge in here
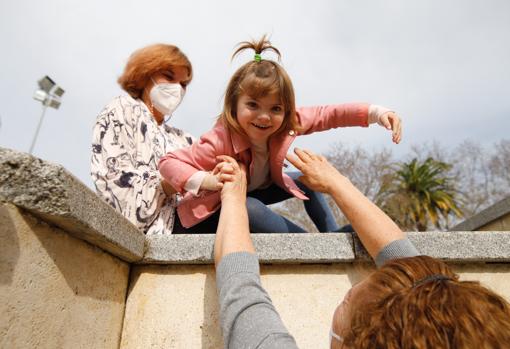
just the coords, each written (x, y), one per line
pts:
(51, 193)
(271, 248)
(488, 215)
(464, 246)
(457, 247)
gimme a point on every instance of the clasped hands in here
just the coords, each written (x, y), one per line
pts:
(318, 174)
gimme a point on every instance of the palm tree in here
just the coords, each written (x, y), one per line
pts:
(419, 194)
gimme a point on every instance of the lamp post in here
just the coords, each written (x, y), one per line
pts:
(49, 94)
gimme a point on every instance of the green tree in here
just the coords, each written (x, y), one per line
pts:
(420, 194)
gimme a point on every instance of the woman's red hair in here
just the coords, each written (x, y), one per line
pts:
(150, 60)
(435, 314)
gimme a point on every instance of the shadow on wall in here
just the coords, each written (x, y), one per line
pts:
(9, 245)
(87, 270)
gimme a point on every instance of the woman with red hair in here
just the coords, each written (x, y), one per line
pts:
(131, 134)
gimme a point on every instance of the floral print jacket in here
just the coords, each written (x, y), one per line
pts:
(126, 147)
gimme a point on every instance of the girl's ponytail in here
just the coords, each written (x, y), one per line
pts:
(258, 46)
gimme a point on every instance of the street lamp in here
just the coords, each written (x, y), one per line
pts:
(49, 94)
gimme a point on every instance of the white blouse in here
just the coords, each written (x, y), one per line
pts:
(126, 147)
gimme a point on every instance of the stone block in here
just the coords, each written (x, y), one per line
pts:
(56, 291)
(455, 246)
(271, 248)
(51, 193)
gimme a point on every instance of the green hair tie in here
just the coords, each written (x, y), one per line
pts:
(258, 58)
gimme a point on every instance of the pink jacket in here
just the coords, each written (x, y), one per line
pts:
(178, 166)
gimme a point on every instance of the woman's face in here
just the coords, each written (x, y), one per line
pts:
(356, 296)
(176, 75)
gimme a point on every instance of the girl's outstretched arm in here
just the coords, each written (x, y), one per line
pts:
(325, 117)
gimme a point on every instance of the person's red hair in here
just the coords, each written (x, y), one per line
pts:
(150, 60)
(434, 314)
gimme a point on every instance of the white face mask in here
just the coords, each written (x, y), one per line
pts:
(334, 335)
(166, 97)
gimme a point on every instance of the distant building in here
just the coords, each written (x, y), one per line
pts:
(493, 218)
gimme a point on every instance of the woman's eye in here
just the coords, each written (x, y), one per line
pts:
(251, 105)
(277, 109)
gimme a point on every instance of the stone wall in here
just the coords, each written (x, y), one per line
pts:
(64, 259)
(175, 306)
(57, 291)
(75, 274)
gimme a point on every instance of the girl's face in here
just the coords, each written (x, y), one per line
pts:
(260, 117)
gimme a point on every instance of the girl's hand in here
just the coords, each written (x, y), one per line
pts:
(211, 182)
(222, 172)
(233, 175)
(318, 174)
(391, 121)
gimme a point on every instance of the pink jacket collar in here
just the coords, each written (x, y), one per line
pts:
(239, 142)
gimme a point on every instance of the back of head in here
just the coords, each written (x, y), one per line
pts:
(419, 302)
(150, 60)
(258, 78)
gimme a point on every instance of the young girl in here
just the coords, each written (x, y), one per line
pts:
(258, 124)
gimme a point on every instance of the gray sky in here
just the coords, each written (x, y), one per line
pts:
(444, 66)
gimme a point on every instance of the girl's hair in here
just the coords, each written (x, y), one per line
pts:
(259, 78)
(150, 60)
(445, 313)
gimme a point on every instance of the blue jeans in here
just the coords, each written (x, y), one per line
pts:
(264, 220)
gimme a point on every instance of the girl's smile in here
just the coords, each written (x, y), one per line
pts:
(260, 117)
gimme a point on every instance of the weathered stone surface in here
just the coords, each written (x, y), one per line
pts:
(179, 249)
(176, 306)
(497, 211)
(330, 248)
(304, 248)
(271, 248)
(51, 193)
(456, 246)
(56, 291)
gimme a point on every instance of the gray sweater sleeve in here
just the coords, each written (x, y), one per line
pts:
(396, 249)
(248, 317)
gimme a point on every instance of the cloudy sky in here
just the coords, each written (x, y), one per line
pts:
(444, 66)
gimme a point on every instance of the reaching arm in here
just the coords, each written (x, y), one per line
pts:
(321, 118)
(375, 229)
(233, 233)
(248, 317)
